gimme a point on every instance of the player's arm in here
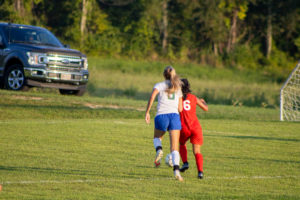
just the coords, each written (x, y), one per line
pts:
(202, 104)
(150, 102)
(180, 105)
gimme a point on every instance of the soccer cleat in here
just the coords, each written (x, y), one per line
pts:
(184, 167)
(200, 175)
(159, 155)
(177, 175)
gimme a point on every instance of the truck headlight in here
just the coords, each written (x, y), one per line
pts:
(85, 63)
(37, 58)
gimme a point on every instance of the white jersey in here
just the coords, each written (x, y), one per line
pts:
(167, 103)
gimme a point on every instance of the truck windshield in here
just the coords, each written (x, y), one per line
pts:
(29, 35)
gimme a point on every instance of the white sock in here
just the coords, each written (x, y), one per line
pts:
(157, 142)
(175, 158)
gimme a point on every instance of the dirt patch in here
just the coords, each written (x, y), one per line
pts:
(95, 106)
(28, 98)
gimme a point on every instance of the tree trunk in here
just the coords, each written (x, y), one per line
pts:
(233, 32)
(165, 26)
(83, 19)
(19, 7)
(269, 31)
(216, 47)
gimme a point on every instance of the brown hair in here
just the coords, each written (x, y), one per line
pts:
(175, 82)
(185, 88)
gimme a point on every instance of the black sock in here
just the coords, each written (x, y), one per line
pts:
(176, 167)
(158, 148)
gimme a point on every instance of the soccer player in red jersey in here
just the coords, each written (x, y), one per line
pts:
(191, 128)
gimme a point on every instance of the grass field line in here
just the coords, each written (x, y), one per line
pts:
(95, 106)
(220, 132)
(62, 121)
(138, 179)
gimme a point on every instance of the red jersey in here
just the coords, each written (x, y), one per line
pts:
(188, 115)
(191, 128)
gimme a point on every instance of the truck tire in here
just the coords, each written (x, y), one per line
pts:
(1, 83)
(14, 78)
(72, 92)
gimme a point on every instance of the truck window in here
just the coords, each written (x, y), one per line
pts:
(32, 36)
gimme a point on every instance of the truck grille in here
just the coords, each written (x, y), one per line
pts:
(64, 63)
(63, 69)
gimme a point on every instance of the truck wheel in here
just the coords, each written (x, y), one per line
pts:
(72, 92)
(14, 78)
(1, 83)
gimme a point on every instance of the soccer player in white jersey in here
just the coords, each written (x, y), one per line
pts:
(167, 116)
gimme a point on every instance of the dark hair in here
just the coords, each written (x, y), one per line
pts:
(185, 88)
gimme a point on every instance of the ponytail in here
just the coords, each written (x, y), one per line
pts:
(185, 88)
(175, 82)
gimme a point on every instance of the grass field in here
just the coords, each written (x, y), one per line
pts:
(91, 147)
(135, 79)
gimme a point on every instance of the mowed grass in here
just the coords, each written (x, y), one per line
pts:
(62, 147)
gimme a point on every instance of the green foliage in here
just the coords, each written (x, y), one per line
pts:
(280, 65)
(229, 6)
(198, 31)
(7, 12)
(141, 39)
(97, 22)
(245, 57)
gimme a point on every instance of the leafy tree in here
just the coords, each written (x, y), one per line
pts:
(234, 10)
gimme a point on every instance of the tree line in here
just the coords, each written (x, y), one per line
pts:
(262, 35)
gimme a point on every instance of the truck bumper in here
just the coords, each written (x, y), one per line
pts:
(56, 79)
(55, 85)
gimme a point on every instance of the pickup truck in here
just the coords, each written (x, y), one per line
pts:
(32, 56)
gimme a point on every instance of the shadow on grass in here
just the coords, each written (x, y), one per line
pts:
(80, 172)
(64, 107)
(76, 112)
(255, 138)
(50, 170)
(262, 159)
(36, 106)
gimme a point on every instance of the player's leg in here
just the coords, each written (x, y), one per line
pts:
(183, 152)
(197, 141)
(158, 135)
(183, 155)
(174, 130)
(184, 136)
(199, 159)
(161, 124)
(174, 135)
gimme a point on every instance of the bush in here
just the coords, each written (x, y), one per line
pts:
(107, 43)
(244, 57)
(279, 65)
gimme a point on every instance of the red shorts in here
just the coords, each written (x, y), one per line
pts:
(194, 134)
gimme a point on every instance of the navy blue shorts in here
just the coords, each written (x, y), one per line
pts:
(168, 122)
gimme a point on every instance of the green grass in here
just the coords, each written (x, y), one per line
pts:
(65, 147)
(20, 105)
(135, 80)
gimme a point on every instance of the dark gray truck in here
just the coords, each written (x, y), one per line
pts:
(33, 56)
